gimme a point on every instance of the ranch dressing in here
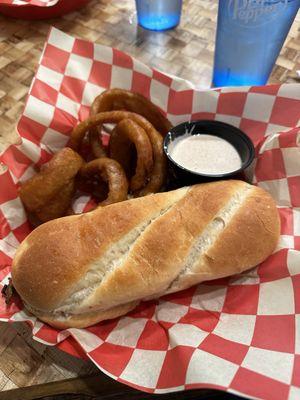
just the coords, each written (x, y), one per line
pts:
(205, 154)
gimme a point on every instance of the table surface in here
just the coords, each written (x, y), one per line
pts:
(186, 51)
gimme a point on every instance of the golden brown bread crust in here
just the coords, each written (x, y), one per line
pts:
(158, 255)
(57, 254)
(249, 239)
(78, 270)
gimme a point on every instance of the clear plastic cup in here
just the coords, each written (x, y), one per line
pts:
(158, 15)
(250, 35)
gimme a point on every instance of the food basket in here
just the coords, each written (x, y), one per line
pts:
(39, 9)
(240, 334)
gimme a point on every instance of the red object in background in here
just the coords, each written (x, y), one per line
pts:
(33, 12)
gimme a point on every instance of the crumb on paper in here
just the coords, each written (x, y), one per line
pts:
(8, 291)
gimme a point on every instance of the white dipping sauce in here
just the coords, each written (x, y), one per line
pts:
(205, 154)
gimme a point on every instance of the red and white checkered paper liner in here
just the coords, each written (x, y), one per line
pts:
(240, 334)
(39, 3)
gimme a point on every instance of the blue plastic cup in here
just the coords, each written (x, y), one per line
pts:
(250, 35)
(158, 15)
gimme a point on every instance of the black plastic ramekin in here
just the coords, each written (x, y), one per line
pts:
(244, 146)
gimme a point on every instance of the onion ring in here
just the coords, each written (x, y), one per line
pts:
(111, 172)
(52, 184)
(125, 133)
(120, 99)
(158, 175)
(93, 185)
(58, 205)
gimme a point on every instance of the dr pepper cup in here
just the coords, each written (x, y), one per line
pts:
(250, 35)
